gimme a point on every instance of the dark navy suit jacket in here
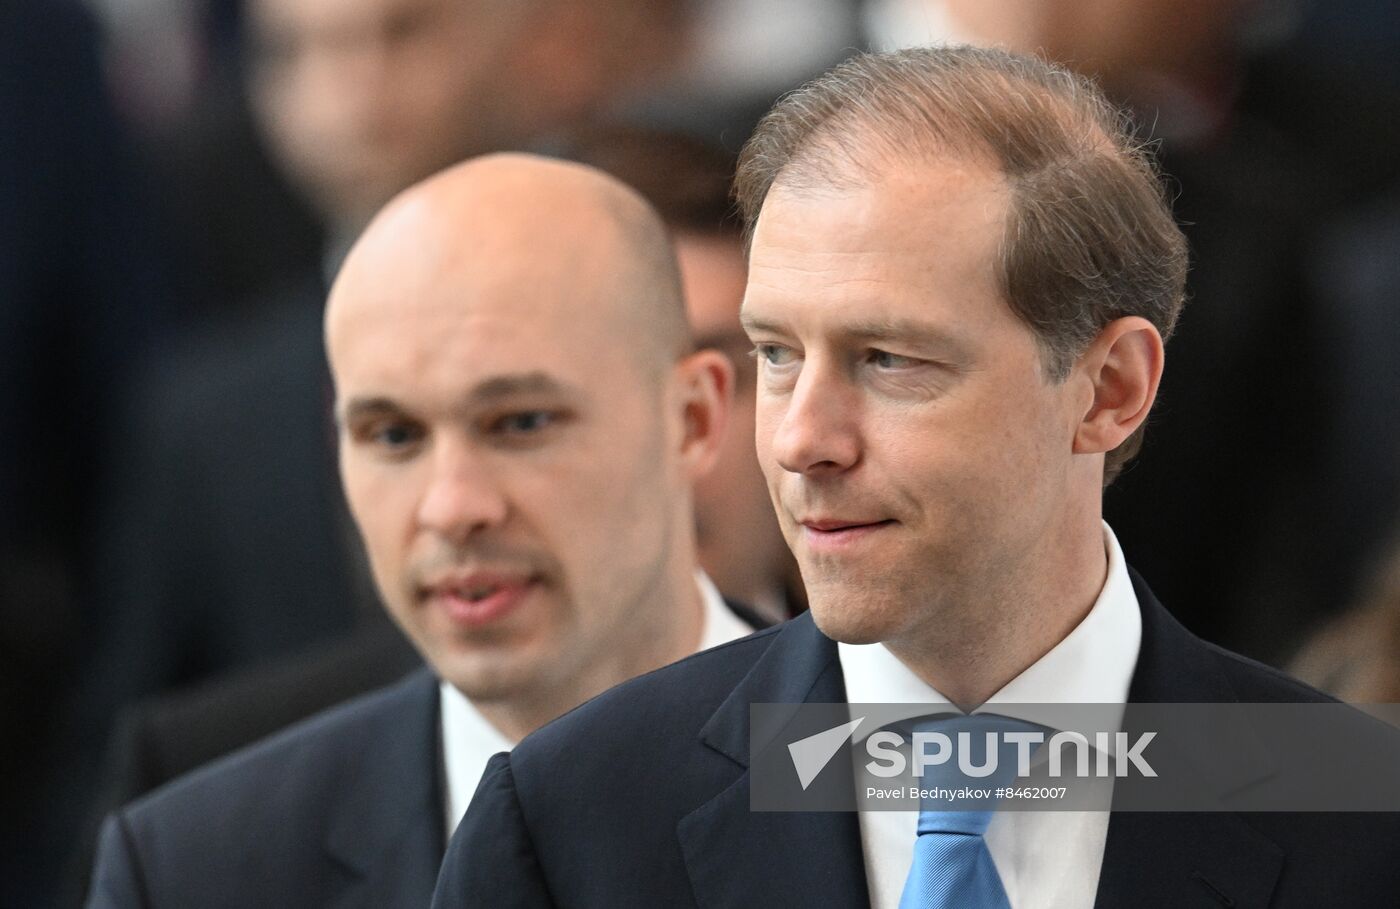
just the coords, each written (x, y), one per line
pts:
(343, 811)
(641, 798)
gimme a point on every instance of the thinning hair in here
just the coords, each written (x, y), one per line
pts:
(1089, 235)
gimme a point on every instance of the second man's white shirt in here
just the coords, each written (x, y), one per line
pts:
(469, 741)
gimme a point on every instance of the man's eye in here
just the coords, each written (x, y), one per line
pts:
(886, 360)
(772, 354)
(523, 423)
(394, 435)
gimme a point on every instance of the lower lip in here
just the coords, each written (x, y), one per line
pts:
(842, 539)
(476, 613)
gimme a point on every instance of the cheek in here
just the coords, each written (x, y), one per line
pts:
(432, 89)
(768, 416)
(593, 500)
(948, 461)
(993, 457)
(382, 502)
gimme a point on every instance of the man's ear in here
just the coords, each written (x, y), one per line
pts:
(1123, 367)
(704, 382)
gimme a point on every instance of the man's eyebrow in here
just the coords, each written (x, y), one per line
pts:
(906, 330)
(506, 386)
(910, 331)
(485, 392)
(359, 408)
(753, 323)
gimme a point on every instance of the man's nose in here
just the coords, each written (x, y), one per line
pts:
(463, 496)
(819, 430)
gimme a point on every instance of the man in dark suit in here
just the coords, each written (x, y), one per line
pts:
(962, 270)
(522, 483)
(223, 541)
(159, 738)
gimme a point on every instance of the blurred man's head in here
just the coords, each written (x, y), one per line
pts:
(688, 183)
(1119, 42)
(361, 98)
(521, 425)
(961, 273)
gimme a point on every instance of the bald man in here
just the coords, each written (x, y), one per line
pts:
(521, 420)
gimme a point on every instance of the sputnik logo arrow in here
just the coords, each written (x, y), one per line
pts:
(811, 754)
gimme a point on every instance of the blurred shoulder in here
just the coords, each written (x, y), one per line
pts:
(302, 765)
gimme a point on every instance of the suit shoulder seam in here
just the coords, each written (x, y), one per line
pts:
(509, 770)
(746, 639)
(138, 871)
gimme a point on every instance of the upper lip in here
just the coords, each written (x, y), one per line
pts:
(828, 524)
(462, 582)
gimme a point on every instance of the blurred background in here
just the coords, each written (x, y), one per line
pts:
(179, 179)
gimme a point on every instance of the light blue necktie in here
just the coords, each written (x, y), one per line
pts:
(952, 866)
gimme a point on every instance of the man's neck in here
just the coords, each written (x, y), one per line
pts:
(974, 651)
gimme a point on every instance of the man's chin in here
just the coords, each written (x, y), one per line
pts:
(485, 681)
(842, 623)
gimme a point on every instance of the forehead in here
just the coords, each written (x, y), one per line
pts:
(427, 340)
(922, 241)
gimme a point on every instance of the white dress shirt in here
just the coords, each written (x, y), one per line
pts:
(469, 740)
(1045, 858)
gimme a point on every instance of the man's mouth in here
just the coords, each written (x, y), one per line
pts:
(477, 598)
(830, 525)
(830, 534)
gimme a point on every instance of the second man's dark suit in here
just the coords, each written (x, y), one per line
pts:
(641, 798)
(345, 811)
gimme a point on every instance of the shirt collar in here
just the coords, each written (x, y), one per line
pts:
(719, 625)
(1093, 664)
(469, 740)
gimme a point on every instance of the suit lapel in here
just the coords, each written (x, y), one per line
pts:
(386, 829)
(735, 856)
(1182, 859)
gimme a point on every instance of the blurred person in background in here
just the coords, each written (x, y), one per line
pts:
(522, 417)
(360, 98)
(1356, 277)
(740, 544)
(224, 540)
(1356, 657)
(1234, 499)
(687, 181)
(86, 288)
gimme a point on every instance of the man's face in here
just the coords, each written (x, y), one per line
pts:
(914, 451)
(360, 98)
(505, 458)
(740, 543)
